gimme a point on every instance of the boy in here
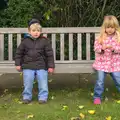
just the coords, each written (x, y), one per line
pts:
(34, 56)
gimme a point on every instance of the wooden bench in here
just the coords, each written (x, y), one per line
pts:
(72, 35)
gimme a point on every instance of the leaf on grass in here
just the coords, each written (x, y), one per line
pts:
(30, 104)
(4, 106)
(81, 107)
(107, 89)
(17, 111)
(106, 99)
(82, 115)
(20, 102)
(86, 80)
(16, 99)
(50, 80)
(2, 95)
(52, 97)
(35, 82)
(21, 74)
(30, 116)
(75, 118)
(109, 118)
(118, 101)
(92, 94)
(65, 107)
(91, 112)
(6, 90)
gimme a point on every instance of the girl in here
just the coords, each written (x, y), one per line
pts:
(107, 60)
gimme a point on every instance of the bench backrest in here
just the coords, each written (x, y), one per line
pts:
(72, 46)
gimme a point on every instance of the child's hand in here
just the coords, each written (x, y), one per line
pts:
(18, 68)
(50, 70)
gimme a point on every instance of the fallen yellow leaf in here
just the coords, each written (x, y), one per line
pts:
(107, 89)
(16, 99)
(19, 102)
(18, 112)
(81, 106)
(6, 90)
(109, 118)
(30, 116)
(86, 80)
(2, 96)
(118, 101)
(91, 112)
(52, 97)
(106, 99)
(92, 94)
(82, 115)
(65, 107)
(30, 104)
(50, 80)
(34, 82)
(21, 74)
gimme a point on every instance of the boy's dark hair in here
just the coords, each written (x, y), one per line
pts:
(33, 21)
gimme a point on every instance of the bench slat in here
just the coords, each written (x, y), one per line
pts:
(18, 39)
(54, 45)
(61, 46)
(70, 46)
(10, 47)
(88, 46)
(79, 48)
(60, 68)
(1, 47)
(54, 30)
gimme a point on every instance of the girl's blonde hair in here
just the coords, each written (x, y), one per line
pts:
(35, 26)
(109, 21)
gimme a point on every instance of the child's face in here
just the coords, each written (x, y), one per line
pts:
(35, 33)
(110, 30)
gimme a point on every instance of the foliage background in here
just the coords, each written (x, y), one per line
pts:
(58, 13)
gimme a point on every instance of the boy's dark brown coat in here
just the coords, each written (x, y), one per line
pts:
(35, 54)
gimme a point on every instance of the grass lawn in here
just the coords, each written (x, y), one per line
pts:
(63, 104)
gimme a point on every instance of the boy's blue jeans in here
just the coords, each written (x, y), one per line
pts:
(99, 86)
(28, 79)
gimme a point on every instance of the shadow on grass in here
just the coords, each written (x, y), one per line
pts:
(82, 82)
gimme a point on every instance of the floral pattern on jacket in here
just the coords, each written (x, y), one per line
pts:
(109, 59)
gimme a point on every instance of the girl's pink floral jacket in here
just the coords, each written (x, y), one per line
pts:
(109, 59)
